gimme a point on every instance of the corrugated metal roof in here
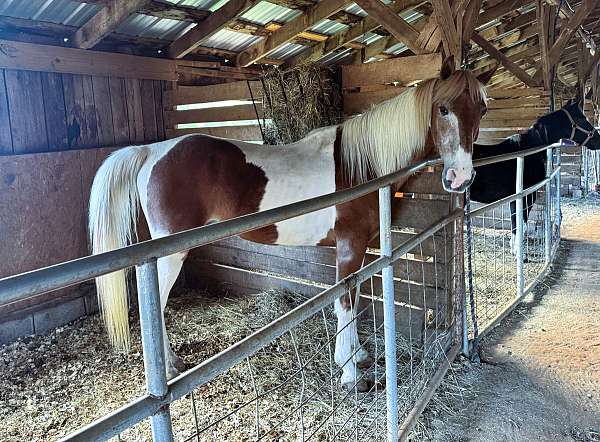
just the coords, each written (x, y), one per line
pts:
(65, 12)
(286, 50)
(230, 40)
(329, 27)
(265, 12)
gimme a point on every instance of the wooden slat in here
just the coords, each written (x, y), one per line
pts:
(104, 118)
(106, 20)
(411, 294)
(33, 57)
(134, 110)
(424, 183)
(216, 21)
(230, 113)
(26, 104)
(119, 110)
(55, 113)
(358, 102)
(432, 274)
(6, 146)
(403, 70)
(418, 214)
(504, 124)
(75, 110)
(217, 92)
(450, 34)
(516, 93)
(159, 110)
(148, 110)
(90, 138)
(509, 114)
(515, 103)
(244, 133)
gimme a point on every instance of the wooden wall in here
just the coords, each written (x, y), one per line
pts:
(50, 112)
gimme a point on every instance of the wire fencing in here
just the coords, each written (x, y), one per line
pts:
(508, 261)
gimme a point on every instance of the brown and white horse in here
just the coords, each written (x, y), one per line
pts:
(193, 180)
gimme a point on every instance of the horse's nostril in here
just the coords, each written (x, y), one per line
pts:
(450, 175)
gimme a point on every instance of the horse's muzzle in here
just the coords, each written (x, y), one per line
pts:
(460, 189)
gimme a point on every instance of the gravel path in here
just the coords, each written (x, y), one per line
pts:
(542, 382)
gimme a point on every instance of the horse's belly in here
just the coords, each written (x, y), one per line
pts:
(309, 229)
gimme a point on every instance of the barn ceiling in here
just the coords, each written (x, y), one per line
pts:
(288, 32)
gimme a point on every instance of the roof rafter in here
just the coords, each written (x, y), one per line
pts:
(105, 21)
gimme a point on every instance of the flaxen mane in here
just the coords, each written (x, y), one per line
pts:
(385, 138)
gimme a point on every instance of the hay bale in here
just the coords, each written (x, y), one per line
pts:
(298, 101)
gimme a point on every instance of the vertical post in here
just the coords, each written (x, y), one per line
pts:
(153, 345)
(586, 169)
(548, 209)
(520, 236)
(457, 283)
(389, 317)
(558, 190)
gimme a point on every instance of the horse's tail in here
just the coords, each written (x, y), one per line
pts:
(114, 205)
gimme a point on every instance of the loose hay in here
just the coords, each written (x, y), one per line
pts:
(52, 385)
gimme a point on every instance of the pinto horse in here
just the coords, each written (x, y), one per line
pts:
(498, 180)
(196, 179)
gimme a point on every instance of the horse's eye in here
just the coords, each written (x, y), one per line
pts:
(443, 110)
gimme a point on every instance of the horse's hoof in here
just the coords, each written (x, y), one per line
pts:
(362, 386)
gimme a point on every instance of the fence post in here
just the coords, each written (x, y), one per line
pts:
(389, 317)
(586, 170)
(153, 346)
(558, 189)
(520, 237)
(548, 208)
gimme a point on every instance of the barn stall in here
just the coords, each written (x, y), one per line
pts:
(65, 107)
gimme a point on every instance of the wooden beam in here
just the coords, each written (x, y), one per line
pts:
(592, 64)
(336, 41)
(470, 20)
(504, 60)
(163, 9)
(395, 24)
(291, 29)
(565, 35)
(543, 22)
(34, 57)
(105, 21)
(501, 9)
(445, 18)
(216, 21)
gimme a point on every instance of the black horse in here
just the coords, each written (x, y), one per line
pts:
(498, 180)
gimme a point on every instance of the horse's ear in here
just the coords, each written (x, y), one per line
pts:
(485, 77)
(447, 67)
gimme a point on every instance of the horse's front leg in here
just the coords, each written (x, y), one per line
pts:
(349, 354)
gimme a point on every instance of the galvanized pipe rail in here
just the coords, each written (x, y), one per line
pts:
(144, 255)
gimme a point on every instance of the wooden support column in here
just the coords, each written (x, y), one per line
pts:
(450, 36)
(543, 21)
(105, 21)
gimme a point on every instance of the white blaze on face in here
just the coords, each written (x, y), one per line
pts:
(460, 170)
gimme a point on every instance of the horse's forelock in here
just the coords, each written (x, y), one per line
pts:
(450, 89)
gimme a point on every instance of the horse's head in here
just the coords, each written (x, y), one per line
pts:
(458, 103)
(581, 130)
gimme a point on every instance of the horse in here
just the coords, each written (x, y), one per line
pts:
(498, 180)
(193, 180)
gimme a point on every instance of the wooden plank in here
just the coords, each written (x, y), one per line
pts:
(104, 118)
(288, 31)
(134, 110)
(424, 183)
(409, 293)
(118, 105)
(543, 21)
(106, 20)
(511, 66)
(516, 93)
(517, 103)
(450, 35)
(395, 24)
(244, 133)
(403, 70)
(358, 102)
(217, 92)
(56, 116)
(148, 110)
(75, 110)
(159, 110)
(506, 124)
(6, 146)
(230, 113)
(216, 21)
(510, 114)
(90, 134)
(33, 57)
(26, 104)
(418, 214)
(429, 273)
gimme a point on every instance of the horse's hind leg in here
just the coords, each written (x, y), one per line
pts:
(168, 270)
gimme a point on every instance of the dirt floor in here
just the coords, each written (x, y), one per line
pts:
(541, 381)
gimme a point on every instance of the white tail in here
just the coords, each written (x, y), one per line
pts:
(114, 205)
